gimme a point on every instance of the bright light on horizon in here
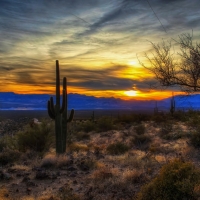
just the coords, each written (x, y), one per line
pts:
(131, 93)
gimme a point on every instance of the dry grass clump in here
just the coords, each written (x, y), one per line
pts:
(176, 180)
(103, 173)
(49, 161)
(134, 176)
(117, 148)
(19, 168)
(77, 147)
(52, 160)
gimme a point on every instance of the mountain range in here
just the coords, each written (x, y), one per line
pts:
(12, 101)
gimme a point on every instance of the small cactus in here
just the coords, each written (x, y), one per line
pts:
(156, 109)
(92, 117)
(59, 113)
(172, 105)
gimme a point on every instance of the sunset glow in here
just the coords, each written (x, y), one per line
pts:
(99, 45)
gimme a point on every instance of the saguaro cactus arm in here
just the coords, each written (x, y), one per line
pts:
(51, 115)
(71, 116)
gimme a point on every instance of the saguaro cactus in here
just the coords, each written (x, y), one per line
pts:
(59, 113)
(172, 106)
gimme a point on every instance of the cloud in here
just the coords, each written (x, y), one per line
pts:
(93, 39)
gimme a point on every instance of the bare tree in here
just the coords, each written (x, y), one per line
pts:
(181, 69)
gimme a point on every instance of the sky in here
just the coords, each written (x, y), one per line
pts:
(97, 42)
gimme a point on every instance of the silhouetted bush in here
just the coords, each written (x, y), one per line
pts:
(117, 148)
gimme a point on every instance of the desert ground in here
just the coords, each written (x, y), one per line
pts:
(115, 155)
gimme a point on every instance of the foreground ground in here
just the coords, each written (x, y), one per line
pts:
(108, 158)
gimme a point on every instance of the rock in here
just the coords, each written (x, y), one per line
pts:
(71, 168)
(25, 179)
(30, 184)
(5, 176)
(73, 174)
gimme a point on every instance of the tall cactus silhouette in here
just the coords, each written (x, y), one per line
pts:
(59, 113)
(172, 105)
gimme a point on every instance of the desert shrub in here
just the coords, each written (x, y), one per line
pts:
(82, 135)
(105, 124)
(117, 148)
(180, 115)
(159, 117)
(7, 142)
(124, 119)
(8, 156)
(140, 129)
(175, 135)
(138, 118)
(88, 126)
(3, 143)
(38, 138)
(175, 181)
(141, 141)
(194, 121)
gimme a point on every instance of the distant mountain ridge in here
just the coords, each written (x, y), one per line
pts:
(12, 101)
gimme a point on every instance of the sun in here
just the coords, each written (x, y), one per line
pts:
(131, 93)
(132, 62)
